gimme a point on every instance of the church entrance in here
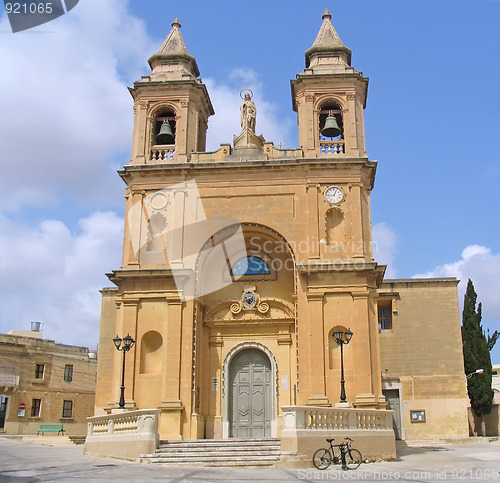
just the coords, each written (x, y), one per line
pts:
(250, 395)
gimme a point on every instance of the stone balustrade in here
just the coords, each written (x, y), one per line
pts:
(332, 147)
(305, 429)
(163, 153)
(123, 434)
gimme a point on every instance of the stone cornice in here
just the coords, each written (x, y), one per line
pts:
(131, 171)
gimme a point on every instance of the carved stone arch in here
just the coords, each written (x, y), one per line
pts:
(230, 230)
(331, 98)
(162, 109)
(156, 107)
(326, 106)
(225, 392)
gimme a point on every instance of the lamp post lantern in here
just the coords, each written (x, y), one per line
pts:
(478, 371)
(342, 338)
(128, 342)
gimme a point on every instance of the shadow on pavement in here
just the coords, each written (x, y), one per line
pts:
(403, 449)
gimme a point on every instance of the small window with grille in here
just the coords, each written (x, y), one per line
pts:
(67, 409)
(68, 372)
(36, 406)
(384, 317)
(39, 371)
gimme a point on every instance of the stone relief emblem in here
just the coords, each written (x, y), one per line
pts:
(250, 300)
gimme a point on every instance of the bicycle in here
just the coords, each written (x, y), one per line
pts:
(349, 457)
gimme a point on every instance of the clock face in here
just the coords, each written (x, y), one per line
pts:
(334, 195)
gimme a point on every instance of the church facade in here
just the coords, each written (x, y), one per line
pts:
(248, 279)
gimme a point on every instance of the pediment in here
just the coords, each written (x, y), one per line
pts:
(265, 311)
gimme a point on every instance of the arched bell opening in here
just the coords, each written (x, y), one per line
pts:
(331, 122)
(164, 128)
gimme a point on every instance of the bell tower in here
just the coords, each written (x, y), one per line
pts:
(171, 107)
(329, 97)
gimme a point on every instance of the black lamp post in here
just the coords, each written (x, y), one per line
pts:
(128, 342)
(342, 338)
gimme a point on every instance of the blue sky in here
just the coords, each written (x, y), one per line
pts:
(431, 122)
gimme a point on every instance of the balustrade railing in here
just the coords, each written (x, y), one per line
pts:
(320, 418)
(163, 153)
(332, 147)
(141, 421)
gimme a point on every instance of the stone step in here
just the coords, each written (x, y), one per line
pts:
(77, 439)
(222, 453)
(230, 441)
(212, 452)
(218, 449)
(219, 464)
(204, 447)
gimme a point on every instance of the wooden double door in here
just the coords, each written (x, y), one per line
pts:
(250, 395)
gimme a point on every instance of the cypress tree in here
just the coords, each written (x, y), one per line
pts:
(476, 356)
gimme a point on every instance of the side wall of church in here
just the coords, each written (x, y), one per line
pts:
(422, 357)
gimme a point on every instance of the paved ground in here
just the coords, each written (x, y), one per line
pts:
(22, 461)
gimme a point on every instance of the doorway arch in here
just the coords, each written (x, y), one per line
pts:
(249, 397)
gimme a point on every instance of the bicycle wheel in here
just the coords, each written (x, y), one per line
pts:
(353, 458)
(322, 459)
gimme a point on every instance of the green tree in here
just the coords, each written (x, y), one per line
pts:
(476, 356)
(492, 339)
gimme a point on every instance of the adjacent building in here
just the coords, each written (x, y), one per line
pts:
(43, 382)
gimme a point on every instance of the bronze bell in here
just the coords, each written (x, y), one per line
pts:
(331, 128)
(165, 136)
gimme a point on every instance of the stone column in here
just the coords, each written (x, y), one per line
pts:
(171, 406)
(317, 351)
(216, 426)
(363, 352)
(134, 227)
(357, 246)
(129, 309)
(312, 241)
(175, 237)
(142, 125)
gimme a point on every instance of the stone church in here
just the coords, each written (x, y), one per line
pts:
(248, 279)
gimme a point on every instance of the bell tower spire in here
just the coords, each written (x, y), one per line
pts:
(173, 60)
(327, 47)
(329, 97)
(172, 106)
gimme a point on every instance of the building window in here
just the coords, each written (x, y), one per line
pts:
(39, 371)
(67, 409)
(384, 317)
(68, 372)
(250, 266)
(36, 405)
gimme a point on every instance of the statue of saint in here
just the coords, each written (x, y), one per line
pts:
(248, 113)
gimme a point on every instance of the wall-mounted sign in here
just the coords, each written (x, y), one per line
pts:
(417, 416)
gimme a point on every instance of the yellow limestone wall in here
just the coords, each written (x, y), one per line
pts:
(422, 355)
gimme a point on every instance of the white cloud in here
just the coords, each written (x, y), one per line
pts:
(66, 111)
(52, 275)
(226, 101)
(384, 247)
(480, 265)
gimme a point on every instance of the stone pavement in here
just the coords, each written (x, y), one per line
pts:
(43, 460)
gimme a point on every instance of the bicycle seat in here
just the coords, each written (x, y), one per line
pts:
(330, 440)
